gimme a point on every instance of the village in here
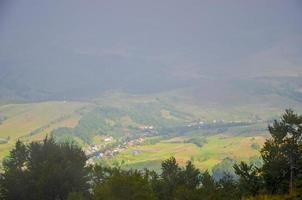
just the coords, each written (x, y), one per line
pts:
(201, 124)
(110, 147)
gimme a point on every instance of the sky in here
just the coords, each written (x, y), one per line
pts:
(145, 45)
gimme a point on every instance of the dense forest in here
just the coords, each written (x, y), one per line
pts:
(58, 171)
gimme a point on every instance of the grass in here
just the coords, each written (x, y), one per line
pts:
(214, 151)
(22, 119)
(221, 146)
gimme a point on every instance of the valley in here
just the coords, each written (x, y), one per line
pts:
(141, 130)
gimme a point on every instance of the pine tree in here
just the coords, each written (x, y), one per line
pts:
(281, 154)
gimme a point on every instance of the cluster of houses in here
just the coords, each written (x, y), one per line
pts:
(94, 149)
(214, 121)
(148, 129)
(195, 123)
(105, 150)
(200, 123)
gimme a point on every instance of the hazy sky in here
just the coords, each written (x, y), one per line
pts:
(116, 42)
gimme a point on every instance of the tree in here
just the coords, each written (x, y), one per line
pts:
(189, 181)
(209, 187)
(274, 169)
(250, 181)
(170, 178)
(176, 182)
(14, 179)
(228, 188)
(282, 153)
(191, 177)
(124, 185)
(99, 174)
(170, 171)
(184, 193)
(44, 170)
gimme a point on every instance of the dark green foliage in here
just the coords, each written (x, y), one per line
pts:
(275, 169)
(122, 185)
(170, 171)
(184, 193)
(191, 177)
(15, 177)
(174, 183)
(43, 170)
(282, 157)
(175, 179)
(99, 174)
(250, 182)
(170, 178)
(209, 187)
(282, 153)
(229, 188)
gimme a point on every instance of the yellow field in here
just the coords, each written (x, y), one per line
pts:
(23, 119)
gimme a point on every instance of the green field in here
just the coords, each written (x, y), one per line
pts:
(217, 148)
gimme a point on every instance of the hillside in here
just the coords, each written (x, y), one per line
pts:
(34, 120)
(238, 122)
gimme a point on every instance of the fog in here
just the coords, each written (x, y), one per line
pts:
(82, 48)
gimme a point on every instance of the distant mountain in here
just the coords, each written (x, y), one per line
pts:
(33, 84)
(53, 51)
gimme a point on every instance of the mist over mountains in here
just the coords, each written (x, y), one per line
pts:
(158, 99)
(79, 49)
